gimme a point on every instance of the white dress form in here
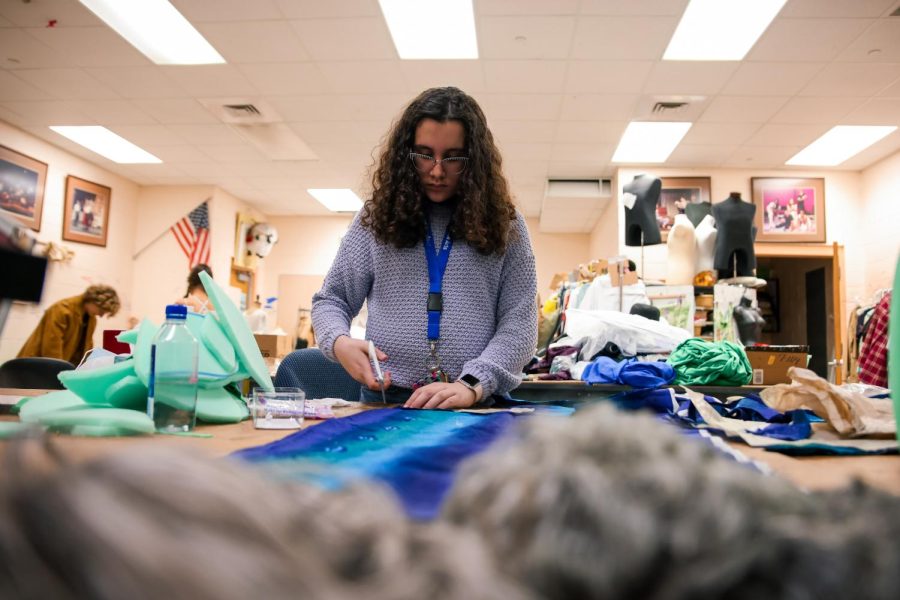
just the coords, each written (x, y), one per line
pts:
(706, 243)
(682, 252)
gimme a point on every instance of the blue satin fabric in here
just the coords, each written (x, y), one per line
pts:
(628, 372)
(414, 452)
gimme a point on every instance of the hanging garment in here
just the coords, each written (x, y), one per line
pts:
(873, 353)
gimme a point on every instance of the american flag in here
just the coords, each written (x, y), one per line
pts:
(192, 234)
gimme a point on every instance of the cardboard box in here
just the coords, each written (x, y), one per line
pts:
(770, 364)
(272, 345)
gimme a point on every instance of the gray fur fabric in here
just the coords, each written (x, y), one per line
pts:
(618, 505)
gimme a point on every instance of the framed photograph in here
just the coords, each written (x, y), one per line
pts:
(676, 194)
(789, 209)
(22, 181)
(86, 216)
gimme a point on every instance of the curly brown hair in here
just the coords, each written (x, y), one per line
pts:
(104, 297)
(193, 279)
(395, 212)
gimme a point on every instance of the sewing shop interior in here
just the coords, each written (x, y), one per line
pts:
(651, 348)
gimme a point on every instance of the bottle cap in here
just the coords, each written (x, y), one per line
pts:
(176, 311)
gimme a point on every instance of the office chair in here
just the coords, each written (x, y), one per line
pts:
(309, 370)
(33, 373)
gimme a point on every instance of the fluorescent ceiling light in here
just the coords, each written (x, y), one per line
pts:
(338, 200)
(839, 144)
(431, 29)
(720, 29)
(650, 141)
(106, 143)
(157, 29)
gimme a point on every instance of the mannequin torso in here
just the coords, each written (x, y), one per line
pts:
(641, 217)
(749, 322)
(734, 242)
(682, 252)
(706, 243)
(696, 212)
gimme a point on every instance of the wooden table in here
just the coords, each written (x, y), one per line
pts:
(573, 390)
(808, 472)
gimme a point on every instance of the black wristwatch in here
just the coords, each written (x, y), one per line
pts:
(471, 382)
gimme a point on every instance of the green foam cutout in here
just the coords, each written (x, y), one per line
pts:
(11, 429)
(94, 385)
(217, 343)
(128, 337)
(96, 421)
(129, 393)
(218, 405)
(37, 406)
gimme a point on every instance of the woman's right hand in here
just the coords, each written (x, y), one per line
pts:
(354, 357)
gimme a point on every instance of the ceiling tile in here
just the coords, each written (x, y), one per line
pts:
(175, 110)
(788, 40)
(644, 7)
(367, 132)
(593, 153)
(599, 77)
(150, 135)
(522, 106)
(115, 112)
(346, 39)
(544, 37)
(420, 75)
(15, 88)
(836, 8)
(138, 82)
(578, 169)
(203, 11)
(892, 91)
(19, 50)
(883, 36)
(316, 9)
(67, 84)
(760, 157)
(699, 155)
(50, 112)
(283, 79)
(212, 134)
(688, 78)
(39, 14)
(229, 153)
(589, 107)
(719, 134)
(622, 38)
(778, 134)
(210, 80)
(526, 7)
(97, 46)
(377, 77)
(510, 131)
(878, 111)
(524, 76)
(742, 109)
(815, 110)
(770, 78)
(177, 154)
(594, 132)
(852, 79)
(525, 172)
(255, 41)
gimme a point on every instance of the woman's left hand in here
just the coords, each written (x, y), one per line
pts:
(442, 395)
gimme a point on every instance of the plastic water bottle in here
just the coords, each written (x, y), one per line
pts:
(172, 398)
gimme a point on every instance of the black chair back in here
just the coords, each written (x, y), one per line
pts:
(34, 373)
(309, 370)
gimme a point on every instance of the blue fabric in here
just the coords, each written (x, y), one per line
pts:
(437, 265)
(628, 372)
(415, 452)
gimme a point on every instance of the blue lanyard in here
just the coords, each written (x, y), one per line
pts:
(437, 264)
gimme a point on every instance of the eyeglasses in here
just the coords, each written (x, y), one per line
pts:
(451, 164)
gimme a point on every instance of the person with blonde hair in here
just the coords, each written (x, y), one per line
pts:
(66, 330)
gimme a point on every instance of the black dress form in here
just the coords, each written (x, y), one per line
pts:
(749, 322)
(696, 212)
(734, 242)
(641, 217)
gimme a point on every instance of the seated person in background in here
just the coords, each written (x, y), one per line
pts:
(66, 330)
(195, 297)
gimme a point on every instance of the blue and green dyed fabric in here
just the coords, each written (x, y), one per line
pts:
(415, 452)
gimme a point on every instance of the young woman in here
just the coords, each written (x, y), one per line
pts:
(444, 261)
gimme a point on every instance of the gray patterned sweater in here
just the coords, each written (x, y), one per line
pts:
(489, 320)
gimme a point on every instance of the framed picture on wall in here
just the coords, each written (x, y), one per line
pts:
(789, 209)
(22, 180)
(86, 213)
(677, 193)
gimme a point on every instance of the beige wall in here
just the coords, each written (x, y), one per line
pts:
(91, 264)
(879, 225)
(555, 252)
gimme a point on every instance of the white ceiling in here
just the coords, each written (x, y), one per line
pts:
(559, 80)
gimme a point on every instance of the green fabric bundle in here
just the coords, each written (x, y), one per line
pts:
(698, 362)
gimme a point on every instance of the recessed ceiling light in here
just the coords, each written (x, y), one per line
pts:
(431, 29)
(337, 200)
(106, 143)
(157, 29)
(720, 29)
(840, 143)
(649, 141)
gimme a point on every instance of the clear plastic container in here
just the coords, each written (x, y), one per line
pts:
(172, 398)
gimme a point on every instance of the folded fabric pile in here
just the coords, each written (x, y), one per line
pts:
(698, 362)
